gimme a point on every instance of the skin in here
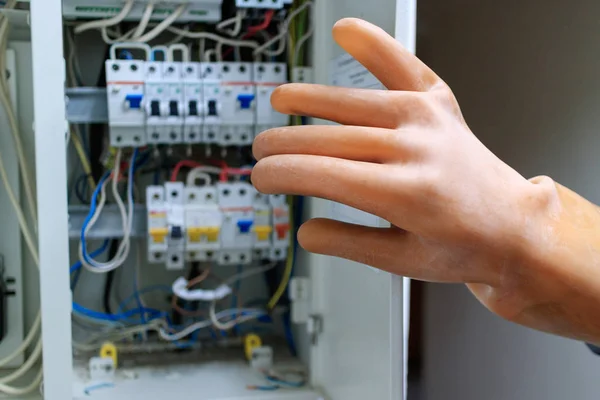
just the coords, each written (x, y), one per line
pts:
(529, 250)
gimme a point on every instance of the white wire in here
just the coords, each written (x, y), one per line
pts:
(255, 313)
(126, 219)
(163, 25)
(103, 23)
(20, 216)
(37, 323)
(283, 32)
(247, 274)
(27, 365)
(224, 326)
(216, 38)
(237, 20)
(108, 40)
(201, 173)
(18, 391)
(141, 28)
(26, 176)
(208, 55)
(36, 327)
(302, 41)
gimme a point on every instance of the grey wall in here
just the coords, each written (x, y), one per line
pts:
(527, 75)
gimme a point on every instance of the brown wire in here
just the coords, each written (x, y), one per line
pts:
(196, 281)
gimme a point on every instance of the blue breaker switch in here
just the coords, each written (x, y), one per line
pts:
(245, 101)
(245, 225)
(134, 101)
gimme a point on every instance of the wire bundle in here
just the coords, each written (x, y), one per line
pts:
(96, 209)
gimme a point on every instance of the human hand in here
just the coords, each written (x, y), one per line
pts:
(458, 213)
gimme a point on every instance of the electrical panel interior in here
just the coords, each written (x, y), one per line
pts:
(175, 255)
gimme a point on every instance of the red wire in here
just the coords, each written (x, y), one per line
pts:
(253, 30)
(181, 164)
(265, 24)
(223, 176)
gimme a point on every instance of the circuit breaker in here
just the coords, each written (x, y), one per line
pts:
(229, 223)
(203, 223)
(267, 77)
(175, 206)
(164, 102)
(125, 97)
(238, 97)
(211, 96)
(235, 201)
(174, 101)
(155, 103)
(193, 106)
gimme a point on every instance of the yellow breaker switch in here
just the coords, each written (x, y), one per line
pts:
(263, 232)
(159, 234)
(211, 233)
(194, 234)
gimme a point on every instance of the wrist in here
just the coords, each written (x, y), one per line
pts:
(558, 276)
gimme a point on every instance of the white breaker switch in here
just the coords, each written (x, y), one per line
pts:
(236, 203)
(267, 76)
(193, 105)
(125, 97)
(239, 100)
(172, 78)
(175, 202)
(203, 222)
(156, 103)
(281, 227)
(211, 96)
(158, 228)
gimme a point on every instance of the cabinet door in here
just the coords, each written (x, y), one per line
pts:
(360, 353)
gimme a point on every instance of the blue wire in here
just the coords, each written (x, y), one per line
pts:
(132, 167)
(126, 316)
(238, 286)
(154, 288)
(93, 207)
(94, 204)
(284, 383)
(125, 55)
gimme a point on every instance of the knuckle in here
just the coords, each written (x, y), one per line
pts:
(418, 107)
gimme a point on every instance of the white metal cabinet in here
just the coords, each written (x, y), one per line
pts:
(359, 353)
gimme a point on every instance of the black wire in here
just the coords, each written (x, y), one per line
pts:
(110, 277)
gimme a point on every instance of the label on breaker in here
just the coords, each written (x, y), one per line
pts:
(347, 72)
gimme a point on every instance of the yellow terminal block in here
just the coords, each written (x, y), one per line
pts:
(109, 350)
(251, 342)
(159, 234)
(263, 232)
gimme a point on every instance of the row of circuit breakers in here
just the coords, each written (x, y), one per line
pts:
(226, 104)
(226, 223)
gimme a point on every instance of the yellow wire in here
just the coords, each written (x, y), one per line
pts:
(85, 163)
(295, 120)
(289, 265)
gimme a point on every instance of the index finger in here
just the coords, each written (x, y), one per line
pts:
(394, 66)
